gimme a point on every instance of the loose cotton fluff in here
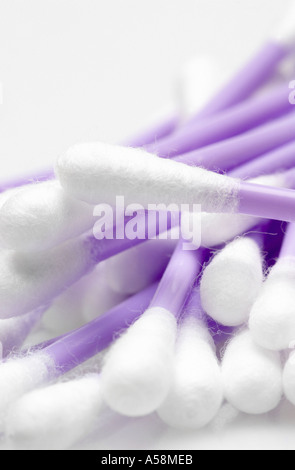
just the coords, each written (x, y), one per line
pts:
(85, 171)
(221, 228)
(19, 376)
(252, 376)
(232, 281)
(196, 391)
(272, 317)
(41, 216)
(55, 417)
(137, 373)
(133, 270)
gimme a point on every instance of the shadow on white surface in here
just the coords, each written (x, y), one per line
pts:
(274, 431)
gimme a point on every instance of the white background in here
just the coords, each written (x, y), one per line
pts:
(75, 70)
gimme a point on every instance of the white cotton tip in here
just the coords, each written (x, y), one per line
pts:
(285, 32)
(272, 317)
(41, 216)
(137, 373)
(289, 378)
(21, 375)
(98, 296)
(232, 281)
(216, 229)
(55, 417)
(28, 281)
(86, 171)
(196, 393)
(133, 270)
(13, 331)
(197, 82)
(252, 376)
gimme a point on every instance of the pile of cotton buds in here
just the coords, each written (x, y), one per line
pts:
(137, 324)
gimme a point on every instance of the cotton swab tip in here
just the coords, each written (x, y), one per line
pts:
(85, 171)
(55, 417)
(272, 317)
(196, 391)
(138, 368)
(231, 282)
(252, 376)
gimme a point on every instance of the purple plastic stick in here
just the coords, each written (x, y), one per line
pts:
(238, 150)
(178, 279)
(78, 346)
(281, 159)
(253, 75)
(156, 132)
(267, 202)
(234, 121)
